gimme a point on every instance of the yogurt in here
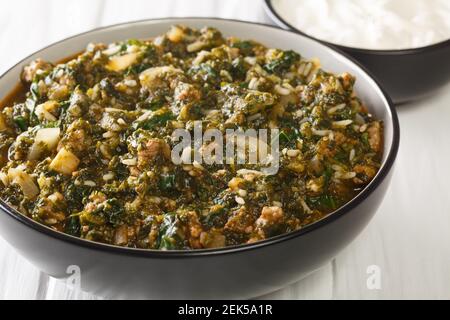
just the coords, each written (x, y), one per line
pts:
(370, 24)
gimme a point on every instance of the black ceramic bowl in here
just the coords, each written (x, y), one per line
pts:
(406, 75)
(237, 272)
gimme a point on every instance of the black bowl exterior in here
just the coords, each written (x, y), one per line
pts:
(217, 275)
(406, 75)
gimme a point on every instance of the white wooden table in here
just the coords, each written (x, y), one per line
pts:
(409, 238)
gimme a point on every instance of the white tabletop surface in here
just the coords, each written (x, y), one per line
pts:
(408, 240)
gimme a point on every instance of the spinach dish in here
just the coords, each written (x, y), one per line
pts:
(86, 143)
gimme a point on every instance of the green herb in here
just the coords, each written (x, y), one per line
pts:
(288, 137)
(365, 139)
(167, 182)
(169, 238)
(323, 201)
(205, 72)
(238, 70)
(73, 226)
(21, 122)
(327, 174)
(75, 194)
(151, 104)
(34, 89)
(157, 120)
(283, 63)
(246, 47)
(217, 218)
(113, 211)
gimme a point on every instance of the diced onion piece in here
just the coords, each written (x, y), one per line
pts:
(121, 235)
(26, 183)
(65, 162)
(120, 63)
(46, 139)
(112, 50)
(175, 34)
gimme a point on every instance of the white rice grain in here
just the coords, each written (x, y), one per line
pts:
(130, 83)
(342, 123)
(344, 175)
(242, 193)
(363, 128)
(321, 133)
(108, 176)
(253, 84)
(333, 110)
(239, 200)
(89, 183)
(129, 162)
(293, 153)
(305, 206)
(277, 204)
(352, 155)
(108, 134)
(307, 69)
(282, 90)
(250, 60)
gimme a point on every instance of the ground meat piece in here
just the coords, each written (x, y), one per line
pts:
(194, 229)
(185, 92)
(347, 80)
(340, 138)
(365, 173)
(324, 148)
(76, 138)
(158, 77)
(49, 212)
(151, 150)
(35, 67)
(269, 216)
(374, 132)
(95, 199)
(241, 222)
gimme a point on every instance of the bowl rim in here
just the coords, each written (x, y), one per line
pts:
(280, 21)
(149, 253)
